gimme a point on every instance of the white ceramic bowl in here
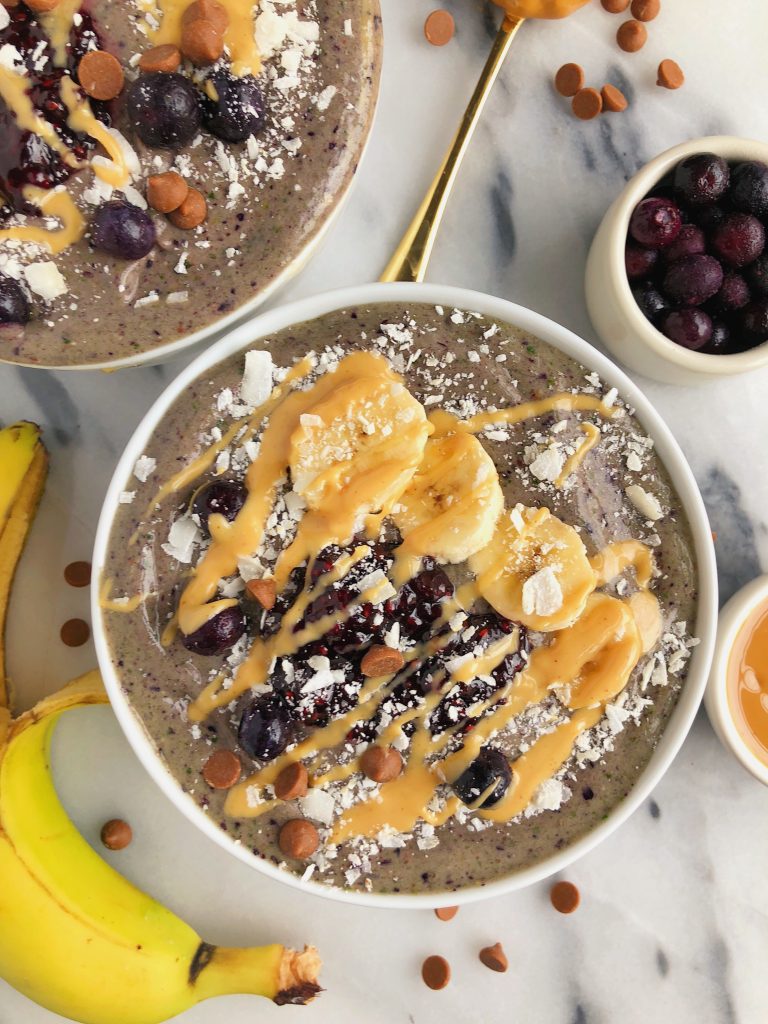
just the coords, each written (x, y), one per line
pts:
(732, 617)
(616, 316)
(495, 309)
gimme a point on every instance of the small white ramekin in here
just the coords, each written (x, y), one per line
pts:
(732, 617)
(623, 329)
(500, 310)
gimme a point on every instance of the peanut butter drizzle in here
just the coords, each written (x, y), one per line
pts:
(55, 203)
(14, 93)
(238, 37)
(118, 604)
(565, 402)
(615, 558)
(573, 462)
(57, 25)
(81, 119)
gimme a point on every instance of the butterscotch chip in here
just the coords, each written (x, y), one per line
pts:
(614, 99)
(615, 6)
(165, 58)
(192, 211)
(494, 957)
(264, 591)
(222, 769)
(645, 10)
(670, 75)
(75, 632)
(565, 897)
(100, 75)
(436, 972)
(298, 839)
(207, 10)
(382, 764)
(42, 6)
(167, 191)
(78, 574)
(292, 782)
(202, 42)
(587, 103)
(569, 79)
(446, 913)
(632, 36)
(381, 661)
(116, 834)
(439, 27)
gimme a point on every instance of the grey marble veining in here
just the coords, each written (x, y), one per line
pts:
(674, 921)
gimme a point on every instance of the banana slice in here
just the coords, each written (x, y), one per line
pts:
(451, 506)
(357, 449)
(535, 570)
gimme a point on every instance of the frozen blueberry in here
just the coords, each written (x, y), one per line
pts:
(738, 240)
(489, 774)
(14, 307)
(238, 109)
(639, 260)
(266, 727)
(749, 188)
(733, 294)
(650, 300)
(701, 179)
(221, 497)
(123, 230)
(164, 109)
(220, 633)
(720, 342)
(690, 242)
(693, 279)
(655, 222)
(691, 328)
(754, 320)
(757, 275)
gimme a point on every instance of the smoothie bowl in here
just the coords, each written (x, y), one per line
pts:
(404, 592)
(164, 166)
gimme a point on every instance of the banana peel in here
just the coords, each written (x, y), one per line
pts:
(23, 469)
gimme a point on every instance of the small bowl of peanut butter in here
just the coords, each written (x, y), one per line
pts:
(737, 693)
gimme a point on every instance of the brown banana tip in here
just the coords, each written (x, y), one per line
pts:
(298, 976)
(298, 995)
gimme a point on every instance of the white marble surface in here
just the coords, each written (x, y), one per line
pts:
(674, 921)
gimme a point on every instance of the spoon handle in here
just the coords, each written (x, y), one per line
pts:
(409, 262)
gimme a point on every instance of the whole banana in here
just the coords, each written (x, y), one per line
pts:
(75, 936)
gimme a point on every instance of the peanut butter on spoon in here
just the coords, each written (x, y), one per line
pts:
(539, 8)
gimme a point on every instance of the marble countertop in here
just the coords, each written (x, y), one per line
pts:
(667, 930)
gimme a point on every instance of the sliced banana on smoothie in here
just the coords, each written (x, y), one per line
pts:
(535, 570)
(450, 508)
(361, 445)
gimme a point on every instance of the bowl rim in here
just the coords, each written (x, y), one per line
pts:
(549, 332)
(733, 617)
(231, 321)
(731, 147)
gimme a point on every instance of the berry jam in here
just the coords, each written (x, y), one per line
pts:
(24, 158)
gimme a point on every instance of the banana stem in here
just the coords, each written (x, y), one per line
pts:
(274, 972)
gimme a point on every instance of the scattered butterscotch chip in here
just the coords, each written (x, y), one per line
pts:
(201, 42)
(78, 574)
(446, 913)
(614, 99)
(166, 57)
(264, 591)
(565, 897)
(101, 75)
(382, 764)
(632, 36)
(670, 75)
(587, 103)
(192, 211)
(569, 79)
(292, 782)
(436, 972)
(645, 10)
(116, 834)
(75, 632)
(167, 191)
(42, 6)
(381, 661)
(207, 10)
(298, 839)
(222, 769)
(494, 957)
(439, 27)
(615, 6)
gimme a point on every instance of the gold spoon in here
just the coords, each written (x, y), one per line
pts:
(409, 262)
